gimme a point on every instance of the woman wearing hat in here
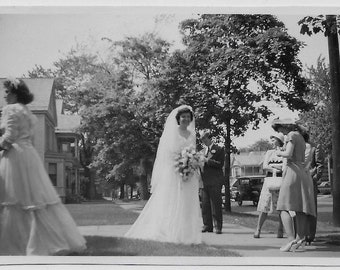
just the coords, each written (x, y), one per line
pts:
(272, 164)
(297, 187)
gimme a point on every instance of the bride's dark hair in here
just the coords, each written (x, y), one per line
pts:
(182, 111)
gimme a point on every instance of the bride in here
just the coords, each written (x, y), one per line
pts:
(172, 213)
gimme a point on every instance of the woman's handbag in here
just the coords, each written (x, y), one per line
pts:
(273, 183)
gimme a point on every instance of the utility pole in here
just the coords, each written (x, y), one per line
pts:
(227, 204)
(334, 64)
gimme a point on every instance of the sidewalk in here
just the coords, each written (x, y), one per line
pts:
(234, 237)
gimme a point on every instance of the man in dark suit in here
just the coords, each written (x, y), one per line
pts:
(314, 163)
(316, 167)
(212, 177)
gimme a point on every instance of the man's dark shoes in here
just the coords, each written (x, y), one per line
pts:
(218, 231)
(207, 230)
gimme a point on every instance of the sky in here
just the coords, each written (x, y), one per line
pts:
(40, 36)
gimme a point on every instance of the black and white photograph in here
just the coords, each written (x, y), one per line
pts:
(163, 135)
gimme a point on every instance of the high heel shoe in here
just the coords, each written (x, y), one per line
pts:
(288, 246)
(299, 244)
(308, 241)
(257, 234)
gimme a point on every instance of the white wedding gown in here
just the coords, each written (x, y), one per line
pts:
(172, 213)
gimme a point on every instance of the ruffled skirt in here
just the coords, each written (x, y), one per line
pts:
(33, 219)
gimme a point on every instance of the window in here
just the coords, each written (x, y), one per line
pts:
(249, 170)
(237, 171)
(52, 173)
(65, 147)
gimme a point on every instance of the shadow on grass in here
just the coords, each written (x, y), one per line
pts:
(117, 246)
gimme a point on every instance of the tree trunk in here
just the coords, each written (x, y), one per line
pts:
(334, 64)
(143, 180)
(227, 205)
(144, 193)
(91, 187)
(122, 192)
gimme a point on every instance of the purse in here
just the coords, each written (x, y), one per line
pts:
(273, 183)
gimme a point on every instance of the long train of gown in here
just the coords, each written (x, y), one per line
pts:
(172, 213)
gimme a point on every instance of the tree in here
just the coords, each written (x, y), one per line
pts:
(330, 26)
(144, 57)
(320, 96)
(81, 81)
(261, 145)
(225, 56)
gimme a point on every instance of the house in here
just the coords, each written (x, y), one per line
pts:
(246, 164)
(55, 137)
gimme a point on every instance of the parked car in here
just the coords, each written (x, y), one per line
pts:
(324, 188)
(247, 188)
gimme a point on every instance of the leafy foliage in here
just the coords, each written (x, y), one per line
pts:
(261, 145)
(314, 25)
(234, 62)
(319, 118)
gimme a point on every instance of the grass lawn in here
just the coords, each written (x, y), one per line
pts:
(100, 213)
(117, 246)
(108, 213)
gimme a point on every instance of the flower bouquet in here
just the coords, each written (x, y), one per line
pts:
(188, 161)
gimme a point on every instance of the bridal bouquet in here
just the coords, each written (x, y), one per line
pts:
(188, 161)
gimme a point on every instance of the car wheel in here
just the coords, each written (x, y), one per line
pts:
(239, 202)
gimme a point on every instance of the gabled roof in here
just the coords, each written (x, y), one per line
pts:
(248, 159)
(43, 91)
(66, 123)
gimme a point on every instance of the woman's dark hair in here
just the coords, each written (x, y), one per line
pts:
(182, 111)
(304, 134)
(20, 89)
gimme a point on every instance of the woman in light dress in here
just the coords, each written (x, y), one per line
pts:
(272, 164)
(296, 191)
(33, 219)
(172, 213)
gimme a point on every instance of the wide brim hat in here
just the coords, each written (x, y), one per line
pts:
(282, 122)
(278, 136)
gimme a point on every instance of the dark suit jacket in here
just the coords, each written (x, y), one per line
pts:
(316, 166)
(212, 174)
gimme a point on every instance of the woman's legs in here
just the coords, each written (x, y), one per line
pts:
(262, 218)
(280, 229)
(289, 228)
(288, 225)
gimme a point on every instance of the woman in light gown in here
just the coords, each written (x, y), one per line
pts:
(33, 219)
(172, 213)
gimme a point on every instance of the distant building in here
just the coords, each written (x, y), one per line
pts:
(247, 163)
(55, 138)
